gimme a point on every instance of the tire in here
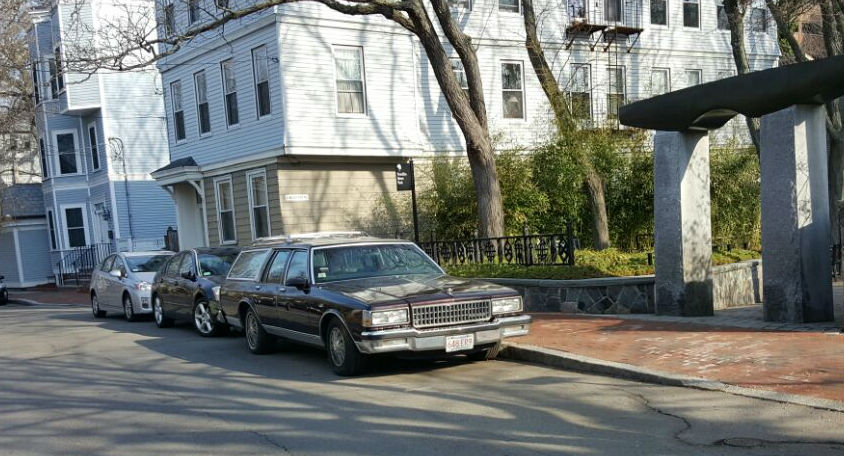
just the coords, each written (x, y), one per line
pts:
(128, 310)
(158, 314)
(203, 321)
(486, 354)
(4, 297)
(343, 354)
(95, 307)
(258, 341)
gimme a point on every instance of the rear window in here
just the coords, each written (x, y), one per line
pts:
(216, 264)
(248, 264)
(150, 263)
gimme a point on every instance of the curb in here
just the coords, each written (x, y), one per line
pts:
(574, 362)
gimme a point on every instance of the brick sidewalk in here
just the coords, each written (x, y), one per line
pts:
(802, 363)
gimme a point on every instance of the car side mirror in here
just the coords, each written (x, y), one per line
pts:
(301, 283)
(189, 275)
(115, 273)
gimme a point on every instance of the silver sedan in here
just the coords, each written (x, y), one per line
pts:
(122, 283)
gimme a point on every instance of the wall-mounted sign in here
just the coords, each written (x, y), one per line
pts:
(404, 177)
(296, 197)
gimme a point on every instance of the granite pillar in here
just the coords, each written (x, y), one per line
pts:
(797, 284)
(683, 231)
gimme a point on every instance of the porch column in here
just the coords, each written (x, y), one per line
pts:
(797, 277)
(683, 232)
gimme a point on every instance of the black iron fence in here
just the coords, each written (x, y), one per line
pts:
(78, 263)
(524, 250)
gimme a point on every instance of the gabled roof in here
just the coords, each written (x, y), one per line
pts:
(22, 201)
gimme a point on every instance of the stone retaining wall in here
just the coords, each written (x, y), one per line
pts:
(734, 285)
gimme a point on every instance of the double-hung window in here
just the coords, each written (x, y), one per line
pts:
(721, 12)
(95, 150)
(580, 91)
(693, 77)
(577, 9)
(225, 210)
(59, 70)
(460, 73)
(460, 5)
(509, 6)
(52, 224)
(758, 20)
(36, 90)
(74, 219)
(178, 110)
(230, 93)
(169, 19)
(660, 81)
(203, 114)
(259, 208)
(691, 13)
(612, 10)
(349, 73)
(193, 11)
(54, 78)
(261, 73)
(512, 90)
(66, 149)
(659, 12)
(616, 90)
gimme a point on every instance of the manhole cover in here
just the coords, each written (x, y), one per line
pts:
(742, 442)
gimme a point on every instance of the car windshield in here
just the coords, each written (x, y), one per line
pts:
(210, 264)
(151, 263)
(357, 262)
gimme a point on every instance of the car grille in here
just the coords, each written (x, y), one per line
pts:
(427, 316)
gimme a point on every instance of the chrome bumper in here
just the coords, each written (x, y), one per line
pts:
(411, 339)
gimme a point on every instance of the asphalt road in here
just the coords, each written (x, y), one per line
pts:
(72, 385)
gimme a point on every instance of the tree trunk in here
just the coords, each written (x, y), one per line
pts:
(487, 189)
(600, 223)
(735, 18)
(593, 182)
(835, 172)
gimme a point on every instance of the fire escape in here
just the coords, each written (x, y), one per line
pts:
(615, 22)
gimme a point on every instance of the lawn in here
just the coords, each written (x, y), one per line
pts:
(589, 264)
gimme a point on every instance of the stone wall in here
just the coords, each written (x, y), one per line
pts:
(734, 285)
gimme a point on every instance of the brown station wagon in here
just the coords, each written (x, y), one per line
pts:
(356, 296)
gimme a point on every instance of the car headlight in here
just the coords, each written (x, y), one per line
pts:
(143, 286)
(506, 305)
(385, 317)
(215, 291)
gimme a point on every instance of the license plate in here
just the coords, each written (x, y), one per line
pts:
(458, 343)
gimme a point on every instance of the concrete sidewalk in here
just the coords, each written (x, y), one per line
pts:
(47, 295)
(798, 365)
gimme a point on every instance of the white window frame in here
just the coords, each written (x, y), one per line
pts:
(460, 5)
(63, 208)
(168, 20)
(58, 61)
(719, 4)
(255, 83)
(699, 75)
(197, 105)
(94, 146)
(362, 56)
(667, 72)
(57, 165)
(572, 73)
(766, 19)
(217, 182)
(194, 18)
(683, 13)
(524, 92)
(42, 150)
(176, 138)
(226, 92)
(249, 191)
(461, 69)
(623, 93)
(518, 3)
(38, 97)
(667, 14)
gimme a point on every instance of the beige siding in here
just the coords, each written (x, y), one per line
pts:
(242, 210)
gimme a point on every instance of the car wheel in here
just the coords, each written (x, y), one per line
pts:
(203, 321)
(343, 355)
(258, 341)
(95, 307)
(158, 314)
(4, 297)
(487, 354)
(128, 309)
